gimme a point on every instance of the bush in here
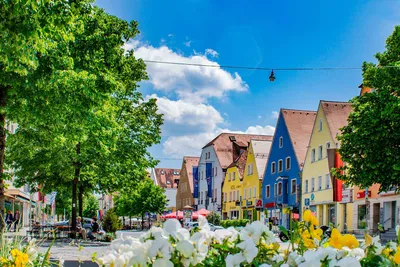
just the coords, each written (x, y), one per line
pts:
(111, 222)
(214, 218)
(234, 223)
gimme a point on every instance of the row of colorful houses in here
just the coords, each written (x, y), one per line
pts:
(252, 176)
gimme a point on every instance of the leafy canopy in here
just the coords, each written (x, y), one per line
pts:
(370, 143)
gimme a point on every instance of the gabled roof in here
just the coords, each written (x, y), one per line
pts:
(166, 178)
(189, 162)
(336, 114)
(261, 150)
(223, 145)
(240, 163)
(299, 124)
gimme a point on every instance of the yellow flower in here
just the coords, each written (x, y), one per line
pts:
(314, 221)
(317, 234)
(307, 216)
(397, 256)
(368, 239)
(350, 241)
(386, 252)
(335, 240)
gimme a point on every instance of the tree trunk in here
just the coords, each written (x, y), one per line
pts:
(3, 94)
(142, 221)
(130, 222)
(80, 200)
(74, 191)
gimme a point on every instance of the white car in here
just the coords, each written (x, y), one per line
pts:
(192, 225)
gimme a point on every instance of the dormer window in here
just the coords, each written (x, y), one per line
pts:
(281, 141)
(168, 182)
(162, 171)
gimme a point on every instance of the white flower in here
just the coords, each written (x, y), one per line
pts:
(162, 263)
(172, 226)
(203, 223)
(107, 260)
(313, 258)
(348, 261)
(294, 259)
(249, 249)
(155, 232)
(277, 258)
(255, 230)
(265, 265)
(160, 248)
(221, 234)
(358, 253)
(234, 260)
(185, 247)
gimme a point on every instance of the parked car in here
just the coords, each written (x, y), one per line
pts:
(215, 227)
(86, 223)
(190, 225)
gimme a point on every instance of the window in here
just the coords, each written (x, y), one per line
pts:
(327, 180)
(249, 193)
(267, 191)
(313, 155)
(275, 189)
(229, 177)
(216, 171)
(328, 145)
(312, 184)
(213, 172)
(234, 195)
(288, 163)
(361, 217)
(201, 198)
(319, 152)
(293, 186)
(234, 176)
(215, 194)
(319, 182)
(306, 186)
(279, 188)
(245, 194)
(250, 169)
(280, 165)
(273, 167)
(224, 197)
(230, 196)
(281, 141)
(255, 191)
(320, 124)
(238, 195)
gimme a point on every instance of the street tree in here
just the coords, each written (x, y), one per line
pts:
(28, 30)
(146, 197)
(370, 143)
(98, 126)
(90, 206)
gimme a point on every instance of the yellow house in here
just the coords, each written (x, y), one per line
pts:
(256, 163)
(232, 188)
(318, 187)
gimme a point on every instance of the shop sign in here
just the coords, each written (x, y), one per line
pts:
(306, 202)
(269, 205)
(259, 204)
(249, 203)
(347, 196)
(312, 197)
(361, 194)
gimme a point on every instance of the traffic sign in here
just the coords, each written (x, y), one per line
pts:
(306, 202)
(312, 197)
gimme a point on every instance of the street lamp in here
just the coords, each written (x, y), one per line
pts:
(272, 76)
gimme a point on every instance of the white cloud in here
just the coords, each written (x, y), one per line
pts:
(170, 35)
(267, 130)
(162, 40)
(194, 83)
(211, 52)
(186, 114)
(259, 116)
(188, 43)
(275, 114)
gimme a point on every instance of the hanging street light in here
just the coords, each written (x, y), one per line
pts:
(272, 76)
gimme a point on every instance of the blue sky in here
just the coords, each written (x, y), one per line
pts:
(199, 103)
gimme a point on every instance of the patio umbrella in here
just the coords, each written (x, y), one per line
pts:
(203, 212)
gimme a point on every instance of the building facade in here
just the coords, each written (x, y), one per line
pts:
(215, 158)
(320, 190)
(184, 195)
(169, 180)
(281, 183)
(256, 162)
(232, 188)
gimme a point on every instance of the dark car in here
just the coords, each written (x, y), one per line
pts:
(86, 224)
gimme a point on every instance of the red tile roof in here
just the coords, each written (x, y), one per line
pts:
(300, 124)
(224, 149)
(336, 114)
(240, 163)
(189, 162)
(166, 177)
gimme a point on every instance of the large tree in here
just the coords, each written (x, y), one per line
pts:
(370, 143)
(98, 126)
(28, 30)
(146, 197)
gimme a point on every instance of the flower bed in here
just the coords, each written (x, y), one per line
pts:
(254, 245)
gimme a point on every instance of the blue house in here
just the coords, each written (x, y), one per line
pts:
(281, 183)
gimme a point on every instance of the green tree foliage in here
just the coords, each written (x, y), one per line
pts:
(111, 223)
(29, 29)
(214, 218)
(92, 127)
(370, 143)
(146, 197)
(90, 206)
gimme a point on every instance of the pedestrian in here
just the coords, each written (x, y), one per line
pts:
(94, 229)
(79, 228)
(9, 220)
(17, 217)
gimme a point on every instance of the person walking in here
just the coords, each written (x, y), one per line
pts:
(17, 217)
(9, 220)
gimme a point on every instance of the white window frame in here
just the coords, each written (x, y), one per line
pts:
(280, 142)
(216, 171)
(249, 193)
(306, 186)
(312, 184)
(230, 196)
(291, 186)
(320, 152)
(280, 168)
(280, 188)
(273, 167)
(286, 163)
(255, 192)
(319, 183)
(275, 189)
(245, 194)
(320, 125)
(234, 196)
(328, 145)
(234, 176)
(229, 176)
(327, 181)
(313, 155)
(238, 195)
(268, 191)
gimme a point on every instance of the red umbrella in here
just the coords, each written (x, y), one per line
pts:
(203, 212)
(173, 215)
